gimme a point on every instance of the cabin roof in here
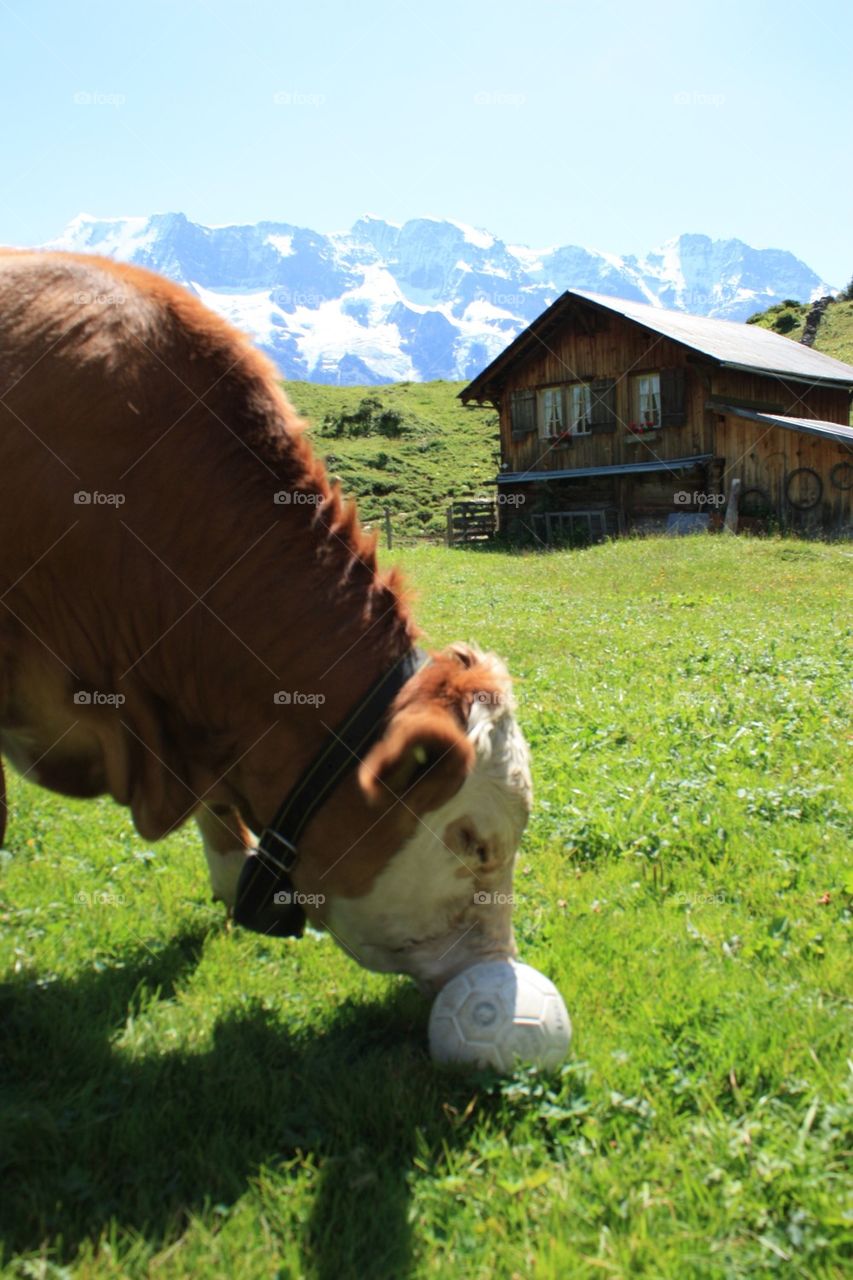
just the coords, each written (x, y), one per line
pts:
(735, 346)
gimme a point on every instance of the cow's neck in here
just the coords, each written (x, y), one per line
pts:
(336, 639)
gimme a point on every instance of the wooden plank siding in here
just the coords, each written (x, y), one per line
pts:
(616, 346)
(781, 395)
(764, 457)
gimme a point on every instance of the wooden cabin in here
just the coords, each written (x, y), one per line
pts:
(617, 416)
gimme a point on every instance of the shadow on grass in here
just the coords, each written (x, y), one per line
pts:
(93, 1136)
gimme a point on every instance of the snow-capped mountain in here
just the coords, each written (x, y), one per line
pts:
(430, 299)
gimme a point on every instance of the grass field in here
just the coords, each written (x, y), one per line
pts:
(443, 451)
(184, 1101)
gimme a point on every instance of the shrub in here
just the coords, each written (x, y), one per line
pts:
(368, 419)
(785, 322)
(390, 423)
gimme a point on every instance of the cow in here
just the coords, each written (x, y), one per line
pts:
(191, 616)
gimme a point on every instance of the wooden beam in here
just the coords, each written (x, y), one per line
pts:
(718, 404)
(730, 525)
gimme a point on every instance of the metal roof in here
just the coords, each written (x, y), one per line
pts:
(733, 345)
(620, 469)
(811, 426)
(746, 346)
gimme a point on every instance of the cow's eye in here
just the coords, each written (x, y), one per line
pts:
(473, 847)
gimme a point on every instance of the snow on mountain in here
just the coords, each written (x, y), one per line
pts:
(432, 298)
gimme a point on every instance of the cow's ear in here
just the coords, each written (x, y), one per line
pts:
(422, 760)
(464, 654)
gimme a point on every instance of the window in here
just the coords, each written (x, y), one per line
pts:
(580, 408)
(551, 411)
(646, 399)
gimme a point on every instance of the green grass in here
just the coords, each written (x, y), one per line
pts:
(445, 451)
(785, 318)
(181, 1101)
(834, 334)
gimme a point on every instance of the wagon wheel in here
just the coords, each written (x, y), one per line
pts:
(810, 486)
(755, 502)
(841, 475)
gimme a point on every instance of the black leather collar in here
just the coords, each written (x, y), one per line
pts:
(266, 899)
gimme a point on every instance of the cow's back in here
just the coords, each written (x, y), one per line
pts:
(141, 442)
(90, 346)
(139, 434)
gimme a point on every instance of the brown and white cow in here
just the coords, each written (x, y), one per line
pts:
(188, 609)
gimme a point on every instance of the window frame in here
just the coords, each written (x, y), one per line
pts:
(546, 432)
(637, 412)
(571, 389)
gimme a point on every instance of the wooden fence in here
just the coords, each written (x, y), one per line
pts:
(471, 521)
(474, 521)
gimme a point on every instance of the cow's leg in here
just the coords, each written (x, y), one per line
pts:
(227, 841)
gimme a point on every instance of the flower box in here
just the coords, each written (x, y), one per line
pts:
(642, 430)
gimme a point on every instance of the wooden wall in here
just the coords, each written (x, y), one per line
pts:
(791, 399)
(764, 458)
(611, 347)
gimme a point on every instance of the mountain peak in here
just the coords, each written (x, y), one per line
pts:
(431, 298)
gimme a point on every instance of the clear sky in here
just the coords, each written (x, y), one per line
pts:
(608, 124)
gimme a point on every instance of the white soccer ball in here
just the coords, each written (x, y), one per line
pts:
(498, 1013)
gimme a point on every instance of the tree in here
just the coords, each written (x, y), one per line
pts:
(846, 295)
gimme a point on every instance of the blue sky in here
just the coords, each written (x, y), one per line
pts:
(609, 124)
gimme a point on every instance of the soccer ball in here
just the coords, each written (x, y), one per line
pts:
(498, 1013)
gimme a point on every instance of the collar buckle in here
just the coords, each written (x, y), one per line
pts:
(285, 855)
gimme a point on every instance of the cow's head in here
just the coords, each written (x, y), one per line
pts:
(448, 791)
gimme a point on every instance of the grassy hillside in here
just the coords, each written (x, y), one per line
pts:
(409, 446)
(183, 1101)
(834, 335)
